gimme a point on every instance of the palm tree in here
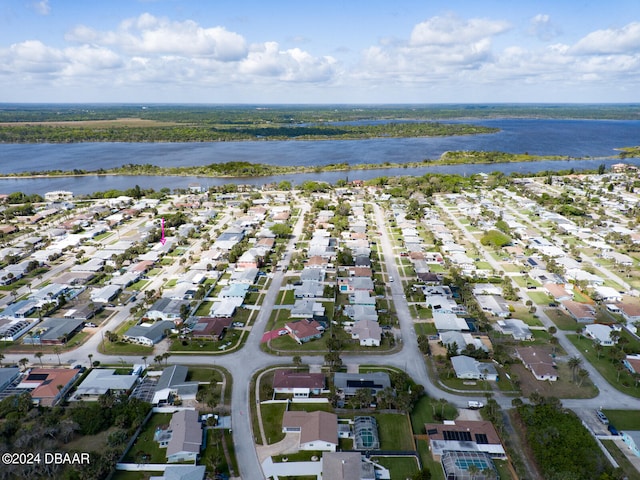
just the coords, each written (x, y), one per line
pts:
(597, 346)
(39, 356)
(166, 356)
(473, 470)
(56, 350)
(144, 359)
(297, 360)
(574, 363)
(2, 357)
(23, 362)
(582, 375)
(90, 360)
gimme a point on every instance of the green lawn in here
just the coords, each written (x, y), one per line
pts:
(424, 412)
(272, 421)
(145, 443)
(139, 285)
(204, 309)
(399, 467)
(624, 419)
(394, 431)
(124, 348)
(605, 366)
(540, 298)
(562, 320)
(428, 462)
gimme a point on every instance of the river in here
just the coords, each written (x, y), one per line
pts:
(573, 138)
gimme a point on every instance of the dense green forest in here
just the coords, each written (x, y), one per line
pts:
(122, 132)
(292, 114)
(50, 123)
(562, 447)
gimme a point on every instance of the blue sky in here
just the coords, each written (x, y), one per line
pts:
(349, 51)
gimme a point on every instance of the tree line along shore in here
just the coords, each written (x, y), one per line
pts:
(248, 169)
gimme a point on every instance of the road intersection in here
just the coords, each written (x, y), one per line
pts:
(243, 363)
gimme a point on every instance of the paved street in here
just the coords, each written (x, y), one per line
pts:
(244, 363)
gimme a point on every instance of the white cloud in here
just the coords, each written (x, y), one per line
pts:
(452, 30)
(611, 40)
(42, 7)
(148, 34)
(441, 55)
(542, 27)
(293, 65)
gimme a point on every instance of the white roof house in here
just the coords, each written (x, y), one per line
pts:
(105, 294)
(600, 333)
(104, 380)
(449, 321)
(469, 368)
(368, 332)
(514, 327)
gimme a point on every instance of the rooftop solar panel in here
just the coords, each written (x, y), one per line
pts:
(458, 436)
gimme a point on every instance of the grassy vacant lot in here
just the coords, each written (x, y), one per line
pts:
(605, 366)
(562, 388)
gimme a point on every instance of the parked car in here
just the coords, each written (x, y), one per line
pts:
(283, 332)
(613, 430)
(602, 417)
(472, 404)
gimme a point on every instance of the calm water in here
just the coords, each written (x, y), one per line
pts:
(574, 138)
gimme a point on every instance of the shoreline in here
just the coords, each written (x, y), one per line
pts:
(196, 171)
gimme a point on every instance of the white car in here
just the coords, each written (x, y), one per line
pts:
(283, 332)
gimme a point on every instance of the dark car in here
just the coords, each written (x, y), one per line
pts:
(613, 430)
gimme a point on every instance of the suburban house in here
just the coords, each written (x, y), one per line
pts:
(514, 327)
(600, 333)
(632, 439)
(148, 333)
(173, 384)
(104, 381)
(167, 309)
(307, 308)
(299, 384)
(469, 368)
(494, 304)
(347, 466)
(461, 435)
(8, 375)
(460, 340)
(449, 322)
(303, 331)
(581, 312)
(49, 385)
(630, 312)
(182, 438)
(632, 362)
(349, 383)
(55, 331)
(213, 328)
(558, 292)
(367, 332)
(318, 430)
(539, 362)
